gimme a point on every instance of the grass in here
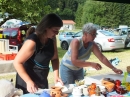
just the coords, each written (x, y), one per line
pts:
(122, 54)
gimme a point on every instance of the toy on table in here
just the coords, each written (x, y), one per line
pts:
(95, 91)
(92, 89)
(56, 92)
(109, 84)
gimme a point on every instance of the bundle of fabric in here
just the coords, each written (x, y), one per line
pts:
(7, 89)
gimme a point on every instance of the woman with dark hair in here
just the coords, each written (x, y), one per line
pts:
(38, 49)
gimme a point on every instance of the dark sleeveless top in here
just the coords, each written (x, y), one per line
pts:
(43, 53)
(37, 66)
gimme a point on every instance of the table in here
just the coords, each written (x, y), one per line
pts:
(97, 79)
(6, 66)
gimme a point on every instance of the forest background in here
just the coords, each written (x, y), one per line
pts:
(81, 11)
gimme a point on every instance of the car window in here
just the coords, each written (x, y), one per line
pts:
(123, 31)
(107, 33)
(70, 33)
(6, 34)
(78, 34)
(67, 33)
(14, 34)
(61, 33)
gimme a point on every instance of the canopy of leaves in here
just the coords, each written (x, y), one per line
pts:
(81, 11)
(105, 13)
(28, 10)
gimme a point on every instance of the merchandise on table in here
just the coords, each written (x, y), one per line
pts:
(91, 88)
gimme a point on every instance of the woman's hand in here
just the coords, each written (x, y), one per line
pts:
(96, 66)
(57, 79)
(117, 71)
(31, 87)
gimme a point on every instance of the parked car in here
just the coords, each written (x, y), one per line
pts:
(65, 42)
(105, 40)
(65, 34)
(16, 35)
(125, 33)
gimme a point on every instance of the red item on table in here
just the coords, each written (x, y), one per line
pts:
(117, 82)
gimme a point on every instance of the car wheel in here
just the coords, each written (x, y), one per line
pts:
(64, 45)
(99, 46)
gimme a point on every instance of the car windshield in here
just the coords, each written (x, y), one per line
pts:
(107, 33)
(14, 34)
(78, 34)
(69, 33)
(126, 29)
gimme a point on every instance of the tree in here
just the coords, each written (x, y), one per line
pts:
(105, 13)
(68, 8)
(93, 11)
(31, 11)
(78, 15)
(125, 14)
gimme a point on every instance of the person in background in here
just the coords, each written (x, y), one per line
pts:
(77, 56)
(30, 31)
(39, 48)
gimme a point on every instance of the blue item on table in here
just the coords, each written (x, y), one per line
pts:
(44, 94)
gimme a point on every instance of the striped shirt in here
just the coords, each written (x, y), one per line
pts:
(83, 54)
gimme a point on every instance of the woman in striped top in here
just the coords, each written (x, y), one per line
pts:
(72, 63)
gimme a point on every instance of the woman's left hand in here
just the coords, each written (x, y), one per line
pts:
(118, 71)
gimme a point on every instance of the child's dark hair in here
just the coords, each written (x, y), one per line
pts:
(30, 31)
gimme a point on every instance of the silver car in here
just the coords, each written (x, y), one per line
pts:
(105, 40)
(65, 34)
(65, 42)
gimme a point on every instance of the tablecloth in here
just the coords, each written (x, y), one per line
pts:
(70, 95)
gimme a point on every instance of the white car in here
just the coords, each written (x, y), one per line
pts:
(105, 40)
